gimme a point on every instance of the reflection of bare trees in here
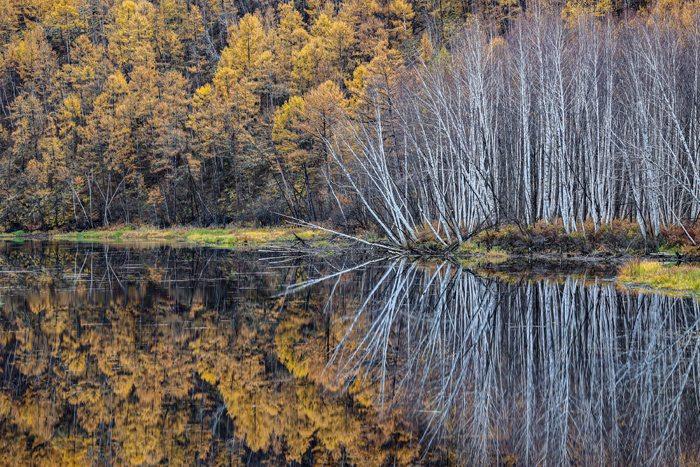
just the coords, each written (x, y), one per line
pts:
(546, 372)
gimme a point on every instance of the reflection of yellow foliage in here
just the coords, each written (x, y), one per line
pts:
(152, 379)
(5, 405)
(362, 392)
(289, 333)
(72, 451)
(37, 415)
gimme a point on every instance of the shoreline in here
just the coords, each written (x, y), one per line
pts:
(659, 271)
(490, 245)
(554, 252)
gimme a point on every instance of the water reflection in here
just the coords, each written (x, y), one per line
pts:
(143, 356)
(550, 371)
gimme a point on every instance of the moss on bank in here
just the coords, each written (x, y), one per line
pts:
(664, 276)
(16, 236)
(237, 237)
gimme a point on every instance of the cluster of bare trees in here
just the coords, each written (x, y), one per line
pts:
(584, 122)
(560, 372)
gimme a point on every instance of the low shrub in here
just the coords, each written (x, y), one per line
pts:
(551, 237)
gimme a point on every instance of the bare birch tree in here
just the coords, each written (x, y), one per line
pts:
(585, 122)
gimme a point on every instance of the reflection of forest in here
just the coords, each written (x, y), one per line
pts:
(166, 355)
(114, 355)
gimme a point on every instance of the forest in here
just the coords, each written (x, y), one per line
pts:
(409, 118)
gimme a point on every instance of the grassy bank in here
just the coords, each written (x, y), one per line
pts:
(237, 237)
(654, 274)
(616, 240)
(612, 242)
(16, 235)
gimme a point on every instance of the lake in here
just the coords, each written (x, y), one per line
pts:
(138, 354)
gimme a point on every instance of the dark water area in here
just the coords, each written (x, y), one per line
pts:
(158, 355)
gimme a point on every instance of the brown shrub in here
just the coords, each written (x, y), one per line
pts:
(678, 235)
(552, 237)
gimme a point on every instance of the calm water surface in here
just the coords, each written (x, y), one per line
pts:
(148, 355)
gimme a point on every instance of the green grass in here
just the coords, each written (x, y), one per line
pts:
(670, 249)
(657, 275)
(17, 235)
(471, 250)
(238, 237)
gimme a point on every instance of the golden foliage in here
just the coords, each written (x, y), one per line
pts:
(154, 378)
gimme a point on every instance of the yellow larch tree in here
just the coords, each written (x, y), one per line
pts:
(248, 56)
(287, 40)
(576, 8)
(400, 16)
(9, 20)
(64, 20)
(363, 19)
(328, 55)
(301, 130)
(131, 35)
